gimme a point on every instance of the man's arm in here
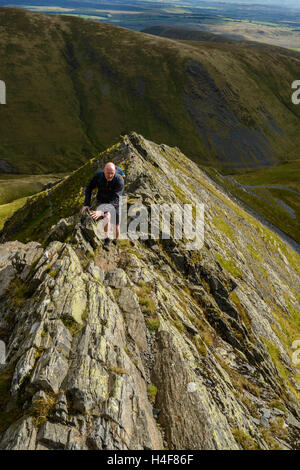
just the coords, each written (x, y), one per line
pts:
(88, 191)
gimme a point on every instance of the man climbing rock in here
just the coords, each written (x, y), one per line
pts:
(110, 185)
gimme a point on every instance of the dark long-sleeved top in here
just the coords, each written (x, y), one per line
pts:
(108, 191)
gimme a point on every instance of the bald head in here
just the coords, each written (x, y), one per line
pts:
(109, 171)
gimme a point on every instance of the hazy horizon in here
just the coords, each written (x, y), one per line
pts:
(280, 3)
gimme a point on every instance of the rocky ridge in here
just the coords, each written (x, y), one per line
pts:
(151, 346)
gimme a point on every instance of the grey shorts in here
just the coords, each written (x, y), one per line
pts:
(113, 210)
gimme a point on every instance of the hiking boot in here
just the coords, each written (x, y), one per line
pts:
(106, 243)
(115, 242)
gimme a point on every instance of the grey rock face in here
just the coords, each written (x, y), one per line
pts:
(50, 371)
(21, 435)
(57, 436)
(116, 278)
(151, 345)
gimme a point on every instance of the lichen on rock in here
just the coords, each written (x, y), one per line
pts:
(88, 333)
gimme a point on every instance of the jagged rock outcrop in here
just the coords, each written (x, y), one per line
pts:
(151, 345)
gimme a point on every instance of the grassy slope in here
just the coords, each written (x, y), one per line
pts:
(7, 210)
(287, 174)
(264, 200)
(13, 187)
(196, 35)
(14, 190)
(73, 86)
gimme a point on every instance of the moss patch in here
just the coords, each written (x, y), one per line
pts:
(229, 266)
(152, 391)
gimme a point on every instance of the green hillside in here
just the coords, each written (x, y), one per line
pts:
(207, 36)
(274, 193)
(14, 190)
(13, 187)
(73, 86)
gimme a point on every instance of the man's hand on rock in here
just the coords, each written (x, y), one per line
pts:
(84, 209)
(96, 214)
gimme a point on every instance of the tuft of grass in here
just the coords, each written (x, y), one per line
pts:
(116, 292)
(278, 404)
(179, 325)
(84, 258)
(266, 435)
(85, 315)
(289, 325)
(145, 299)
(179, 193)
(245, 440)
(251, 407)
(42, 408)
(277, 427)
(152, 324)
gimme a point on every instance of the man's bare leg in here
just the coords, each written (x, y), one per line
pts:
(107, 216)
(117, 231)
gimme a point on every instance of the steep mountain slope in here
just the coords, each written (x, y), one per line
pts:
(74, 85)
(207, 36)
(152, 345)
(196, 35)
(187, 34)
(279, 204)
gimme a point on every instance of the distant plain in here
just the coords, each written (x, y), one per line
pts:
(274, 25)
